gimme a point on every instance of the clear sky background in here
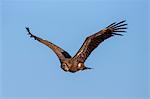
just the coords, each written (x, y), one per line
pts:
(30, 70)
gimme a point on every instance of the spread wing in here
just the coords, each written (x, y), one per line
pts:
(94, 40)
(62, 54)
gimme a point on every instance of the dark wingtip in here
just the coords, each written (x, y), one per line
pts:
(119, 27)
(116, 23)
(122, 21)
(119, 23)
(117, 34)
(29, 33)
(111, 25)
(27, 28)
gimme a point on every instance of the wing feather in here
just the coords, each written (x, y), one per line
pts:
(62, 54)
(94, 40)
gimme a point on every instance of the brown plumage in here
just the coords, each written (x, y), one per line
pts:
(76, 63)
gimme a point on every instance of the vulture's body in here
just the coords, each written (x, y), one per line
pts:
(76, 63)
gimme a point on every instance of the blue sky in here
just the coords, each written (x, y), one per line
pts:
(30, 70)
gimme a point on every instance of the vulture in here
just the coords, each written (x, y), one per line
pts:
(76, 63)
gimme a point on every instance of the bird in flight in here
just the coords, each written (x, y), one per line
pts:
(76, 63)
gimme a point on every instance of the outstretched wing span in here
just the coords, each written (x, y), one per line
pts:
(62, 54)
(94, 40)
